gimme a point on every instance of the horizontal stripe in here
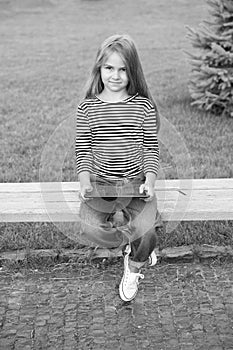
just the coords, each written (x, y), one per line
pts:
(116, 139)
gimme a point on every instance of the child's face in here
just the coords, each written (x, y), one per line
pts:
(113, 74)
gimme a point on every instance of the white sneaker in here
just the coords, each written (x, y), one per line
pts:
(152, 259)
(129, 283)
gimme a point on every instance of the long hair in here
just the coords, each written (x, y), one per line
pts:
(125, 47)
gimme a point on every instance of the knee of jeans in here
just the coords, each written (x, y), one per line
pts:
(102, 237)
(89, 230)
(100, 230)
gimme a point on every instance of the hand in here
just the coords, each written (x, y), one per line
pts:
(149, 190)
(83, 190)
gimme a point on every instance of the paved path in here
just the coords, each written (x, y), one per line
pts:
(179, 306)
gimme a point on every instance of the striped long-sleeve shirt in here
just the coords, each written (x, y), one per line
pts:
(117, 139)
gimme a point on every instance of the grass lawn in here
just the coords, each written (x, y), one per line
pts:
(47, 49)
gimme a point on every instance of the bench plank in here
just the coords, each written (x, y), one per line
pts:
(174, 184)
(34, 199)
(178, 200)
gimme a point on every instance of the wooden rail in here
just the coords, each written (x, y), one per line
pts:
(178, 200)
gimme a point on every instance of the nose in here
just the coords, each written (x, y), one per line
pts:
(115, 74)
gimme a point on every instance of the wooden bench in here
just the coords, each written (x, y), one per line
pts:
(178, 200)
(56, 202)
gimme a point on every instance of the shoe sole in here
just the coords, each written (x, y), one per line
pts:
(121, 292)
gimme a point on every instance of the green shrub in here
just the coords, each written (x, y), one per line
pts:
(211, 82)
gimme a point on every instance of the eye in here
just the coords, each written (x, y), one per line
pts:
(123, 69)
(108, 67)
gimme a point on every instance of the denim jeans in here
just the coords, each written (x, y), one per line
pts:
(140, 225)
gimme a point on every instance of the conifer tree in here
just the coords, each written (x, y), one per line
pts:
(211, 82)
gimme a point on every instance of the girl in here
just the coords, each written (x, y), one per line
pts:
(116, 144)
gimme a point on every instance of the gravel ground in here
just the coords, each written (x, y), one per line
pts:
(178, 306)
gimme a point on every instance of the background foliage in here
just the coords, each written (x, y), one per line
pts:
(211, 85)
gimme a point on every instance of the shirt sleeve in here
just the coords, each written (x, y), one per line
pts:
(83, 142)
(150, 141)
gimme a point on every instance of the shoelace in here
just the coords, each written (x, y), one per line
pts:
(134, 278)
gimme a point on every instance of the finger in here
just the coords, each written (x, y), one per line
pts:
(85, 199)
(148, 199)
(141, 188)
(81, 197)
(150, 195)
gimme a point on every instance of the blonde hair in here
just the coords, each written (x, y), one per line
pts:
(125, 47)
